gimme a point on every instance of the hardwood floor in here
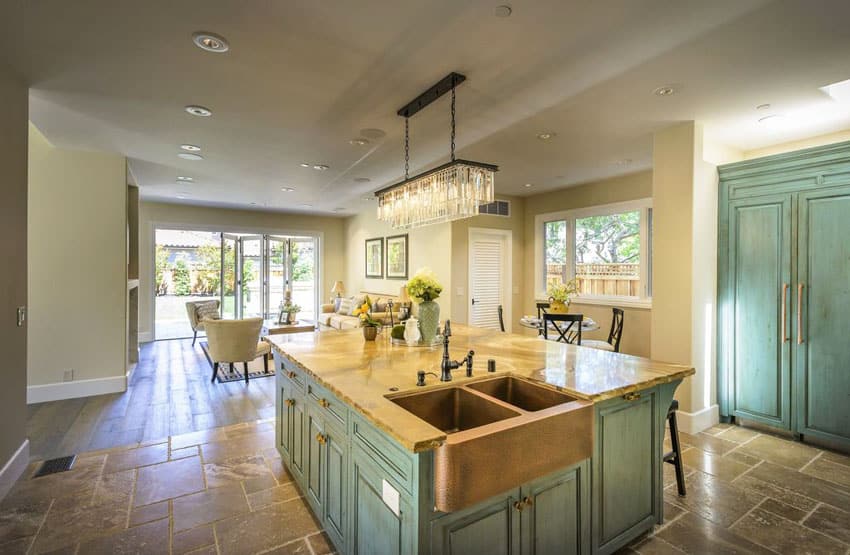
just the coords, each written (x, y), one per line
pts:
(170, 393)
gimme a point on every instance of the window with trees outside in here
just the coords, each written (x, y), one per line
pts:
(607, 249)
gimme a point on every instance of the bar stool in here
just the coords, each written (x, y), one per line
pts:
(674, 457)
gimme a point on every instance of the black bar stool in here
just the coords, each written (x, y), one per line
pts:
(674, 457)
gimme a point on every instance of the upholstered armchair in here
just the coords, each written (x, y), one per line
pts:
(200, 312)
(236, 341)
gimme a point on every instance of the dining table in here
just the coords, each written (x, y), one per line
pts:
(533, 322)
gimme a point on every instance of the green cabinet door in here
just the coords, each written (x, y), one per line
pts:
(758, 285)
(377, 528)
(625, 469)
(314, 468)
(822, 345)
(552, 516)
(492, 527)
(297, 418)
(282, 431)
(336, 451)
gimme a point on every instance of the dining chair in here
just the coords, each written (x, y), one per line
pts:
(501, 319)
(570, 329)
(614, 336)
(236, 341)
(542, 307)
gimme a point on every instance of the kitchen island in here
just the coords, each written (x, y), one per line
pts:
(557, 451)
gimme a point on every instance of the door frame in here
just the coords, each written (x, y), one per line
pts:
(506, 237)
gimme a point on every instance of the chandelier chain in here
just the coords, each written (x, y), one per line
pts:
(453, 120)
(406, 148)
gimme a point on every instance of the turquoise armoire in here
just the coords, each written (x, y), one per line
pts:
(784, 293)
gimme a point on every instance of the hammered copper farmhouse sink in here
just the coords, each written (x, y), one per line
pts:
(501, 433)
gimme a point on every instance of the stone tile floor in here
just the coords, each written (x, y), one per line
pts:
(225, 491)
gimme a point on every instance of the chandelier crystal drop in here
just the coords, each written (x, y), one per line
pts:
(450, 192)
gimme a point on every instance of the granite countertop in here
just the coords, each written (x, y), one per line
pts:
(361, 373)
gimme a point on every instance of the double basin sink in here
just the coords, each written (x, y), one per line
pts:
(502, 432)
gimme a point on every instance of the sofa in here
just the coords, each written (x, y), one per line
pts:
(343, 319)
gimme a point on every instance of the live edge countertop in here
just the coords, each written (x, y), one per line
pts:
(361, 373)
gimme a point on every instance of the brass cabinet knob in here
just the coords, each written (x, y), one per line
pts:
(321, 439)
(518, 505)
(290, 375)
(527, 501)
(289, 402)
(324, 403)
(633, 396)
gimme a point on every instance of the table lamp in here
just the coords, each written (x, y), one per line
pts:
(339, 289)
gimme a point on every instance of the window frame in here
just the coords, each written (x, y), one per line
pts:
(570, 216)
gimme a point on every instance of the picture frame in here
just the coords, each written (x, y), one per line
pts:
(397, 257)
(375, 257)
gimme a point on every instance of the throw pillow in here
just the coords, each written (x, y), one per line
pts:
(207, 311)
(381, 305)
(357, 302)
(345, 305)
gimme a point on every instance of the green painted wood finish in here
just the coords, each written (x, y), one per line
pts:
(626, 487)
(315, 467)
(759, 265)
(491, 527)
(823, 358)
(556, 521)
(814, 183)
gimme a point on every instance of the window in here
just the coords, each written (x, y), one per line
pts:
(607, 249)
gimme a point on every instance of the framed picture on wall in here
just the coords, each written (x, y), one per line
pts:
(375, 257)
(397, 257)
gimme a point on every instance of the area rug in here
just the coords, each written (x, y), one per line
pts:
(228, 372)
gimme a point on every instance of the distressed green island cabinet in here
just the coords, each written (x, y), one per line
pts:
(784, 292)
(373, 496)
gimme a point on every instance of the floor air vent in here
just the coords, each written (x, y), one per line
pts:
(62, 464)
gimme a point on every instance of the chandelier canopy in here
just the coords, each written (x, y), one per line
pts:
(449, 192)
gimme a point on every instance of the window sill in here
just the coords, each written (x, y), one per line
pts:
(620, 302)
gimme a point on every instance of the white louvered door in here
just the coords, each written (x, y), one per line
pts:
(486, 281)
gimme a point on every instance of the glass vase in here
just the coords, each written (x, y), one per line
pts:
(429, 319)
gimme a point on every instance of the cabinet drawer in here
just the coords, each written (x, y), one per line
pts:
(289, 371)
(328, 403)
(392, 459)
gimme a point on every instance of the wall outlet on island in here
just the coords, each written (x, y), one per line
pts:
(69, 375)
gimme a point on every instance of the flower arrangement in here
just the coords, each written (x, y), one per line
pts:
(365, 314)
(423, 286)
(288, 308)
(562, 292)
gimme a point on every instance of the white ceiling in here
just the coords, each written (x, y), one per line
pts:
(302, 78)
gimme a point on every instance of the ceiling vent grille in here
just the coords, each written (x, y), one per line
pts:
(496, 208)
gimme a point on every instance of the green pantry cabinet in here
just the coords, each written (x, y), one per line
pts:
(784, 293)
(374, 497)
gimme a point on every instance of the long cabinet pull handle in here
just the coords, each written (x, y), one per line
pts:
(799, 314)
(785, 337)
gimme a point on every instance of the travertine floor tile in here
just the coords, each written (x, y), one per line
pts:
(298, 547)
(133, 458)
(197, 438)
(655, 546)
(238, 447)
(236, 470)
(774, 491)
(803, 484)
(742, 458)
(715, 465)
(148, 513)
(21, 522)
(72, 519)
(707, 443)
(321, 544)
(281, 523)
(785, 511)
(714, 499)
(780, 451)
(718, 429)
(828, 470)
(185, 452)
(738, 434)
(836, 458)
(166, 480)
(831, 521)
(147, 538)
(190, 540)
(784, 536)
(696, 535)
(19, 546)
(208, 506)
(78, 481)
(276, 494)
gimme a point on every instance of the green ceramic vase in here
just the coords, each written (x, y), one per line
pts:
(429, 319)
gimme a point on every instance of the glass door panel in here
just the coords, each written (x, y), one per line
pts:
(228, 276)
(277, 274)
(252, 276)
(303, 271)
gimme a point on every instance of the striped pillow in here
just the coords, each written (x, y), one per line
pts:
(346, 305)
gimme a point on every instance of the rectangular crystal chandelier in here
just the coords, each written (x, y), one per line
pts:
(449, 192)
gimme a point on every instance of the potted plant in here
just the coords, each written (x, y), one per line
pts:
(287, 313)
(559, 296)
(424, 288)
(369, 324)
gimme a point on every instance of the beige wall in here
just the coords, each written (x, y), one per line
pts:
(428, 247)
(151, 214)
(811, 142)
(636, 329)
(13, 278)
(77, 265)
(460, 260)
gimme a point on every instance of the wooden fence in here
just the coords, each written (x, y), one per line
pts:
(599, 279)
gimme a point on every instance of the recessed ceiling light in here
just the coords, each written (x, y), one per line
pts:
(372, 133)
(503, 11)
(253, 204)
(527, 185)
(762, 106)
(210, 42)
(545, 136)
(191, 148)
(320, 167)
(304, 165)
(771, 119)
(190, 156)
(200, 111)
(185, 178)
(359, 141)
(182, 195)
(306, 205)
(287, 189)
(362, 180)
(666, 90)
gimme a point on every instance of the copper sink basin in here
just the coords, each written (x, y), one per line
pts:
(454, 409)
(501, 433)
(521, 393)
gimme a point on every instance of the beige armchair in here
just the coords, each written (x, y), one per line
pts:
(200, 312)
(236, 341)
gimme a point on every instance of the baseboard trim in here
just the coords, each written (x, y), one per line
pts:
(14, 467)
(145, 337)
(79, 388)
(695, 422)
